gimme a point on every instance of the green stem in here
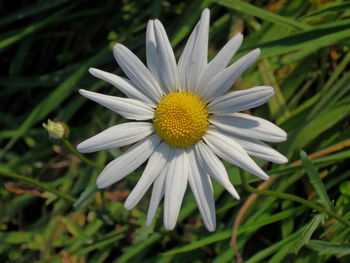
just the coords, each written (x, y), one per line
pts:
(291, 197)
(34, 182)
(80, 156)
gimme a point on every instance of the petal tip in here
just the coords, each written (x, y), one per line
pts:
(283, 159)
(80, 147)
(211, 228)
(92, 70)
(257, 51)
(264, 177)
(206, 11)
(233, 192)
(148, 222)
(82, 92)
(127, 205)
(169, 226)
(101, 182)
(117, 48)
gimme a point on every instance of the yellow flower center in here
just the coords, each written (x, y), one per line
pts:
(181, 118)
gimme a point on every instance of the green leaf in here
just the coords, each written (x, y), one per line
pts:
(305, 235)
(202, 242)
(31, 10)
(262, 254)
(329, 9)
(324, 248)
(85, 197)
(226, 234)
(317, 37)
(101, 244)
(14, 36)
(134, 250)
(302, 135)
(16, 237)
(252, 10)
(316, 181)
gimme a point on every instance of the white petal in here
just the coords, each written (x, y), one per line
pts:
(203, 192)
(128, 108)
(240, 100)
(195, 55)
(220, 61)
(157, 195)
(123, 85)
(137, 72)
(223, 81)
(128, 162)
(229, 150)
(175, 186)
(117, 136)
(249, 126)
(155, 165)
(261, 150)
(210, 163)
(151, 50)
(167, 68)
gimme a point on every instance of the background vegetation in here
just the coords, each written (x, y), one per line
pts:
(50, 209)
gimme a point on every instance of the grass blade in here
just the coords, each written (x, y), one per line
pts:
(252, 10)
(324, 248)
(316, 181)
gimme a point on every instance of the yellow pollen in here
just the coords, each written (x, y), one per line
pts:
(181, 118)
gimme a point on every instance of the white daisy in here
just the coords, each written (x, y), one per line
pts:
(185, 120)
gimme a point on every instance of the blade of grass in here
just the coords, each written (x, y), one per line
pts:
(31, 10)
(16, 35)
(317, 37)
(134, 250)
(263, 14)
(302, 135)
(324, 248)
(227, 234)
(262, 254)
(316, 181)
(329, 9)
(305, 235)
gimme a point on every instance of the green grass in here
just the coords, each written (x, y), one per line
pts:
(50, 209)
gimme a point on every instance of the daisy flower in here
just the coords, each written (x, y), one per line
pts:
(184, 120)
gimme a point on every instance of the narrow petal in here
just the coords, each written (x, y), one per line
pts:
(123, 85)
(157, 195)
(220, 61)
(155, 165)
(167, 68)
(117, 136)
(210, 163)
(249, 126)
(151, 50)
(128, 162)
(137, 72)
(195, 55)
(175, 187)
(203, 192)
(229, 150)
(240, 100)
(128, 108)
(261, 150)
(223, 81)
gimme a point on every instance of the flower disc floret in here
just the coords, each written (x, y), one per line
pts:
(181, 118)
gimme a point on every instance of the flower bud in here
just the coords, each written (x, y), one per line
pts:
(57, 130)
